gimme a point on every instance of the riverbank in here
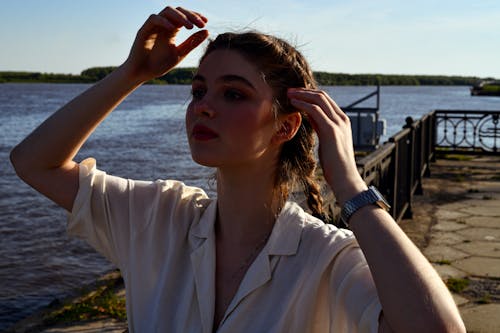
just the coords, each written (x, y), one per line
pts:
(456, 224)
(98, 307)
(183, 75)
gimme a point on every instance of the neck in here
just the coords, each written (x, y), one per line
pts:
(247, 204)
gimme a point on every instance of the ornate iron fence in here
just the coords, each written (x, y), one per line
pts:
(467, 131)
(398, 166)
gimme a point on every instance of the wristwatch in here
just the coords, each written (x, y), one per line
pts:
(369, 197)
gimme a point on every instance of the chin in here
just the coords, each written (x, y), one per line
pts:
(206, 161)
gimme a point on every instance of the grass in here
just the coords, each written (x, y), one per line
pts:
(485, 299)
(457, 285)
(100, 303)
(458, 157)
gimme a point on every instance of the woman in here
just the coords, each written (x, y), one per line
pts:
(248, 261)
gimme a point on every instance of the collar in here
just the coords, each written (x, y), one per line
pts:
(284, 240)
(285, 236)
(287, 230)
(204, 227)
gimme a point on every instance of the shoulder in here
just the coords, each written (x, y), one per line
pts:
(138, 200)
(169, 190)
(320, 234)
(305, 235)
(167, 200)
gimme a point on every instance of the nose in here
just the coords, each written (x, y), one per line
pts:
(203, 108)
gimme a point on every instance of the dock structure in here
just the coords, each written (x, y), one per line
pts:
(486, 88)
(398, 166)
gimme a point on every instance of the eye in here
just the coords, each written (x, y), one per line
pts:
(233, 95)
(198, 93)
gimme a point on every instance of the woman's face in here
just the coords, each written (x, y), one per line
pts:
(230, 121)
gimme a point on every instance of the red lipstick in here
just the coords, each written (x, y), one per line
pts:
(203, 133)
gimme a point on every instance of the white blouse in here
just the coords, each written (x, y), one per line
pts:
(309, 277)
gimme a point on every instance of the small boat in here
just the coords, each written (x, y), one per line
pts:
(486, 88)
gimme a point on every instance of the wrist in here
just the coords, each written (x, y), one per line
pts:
(347, 192)
(131, 74)
(371, 197)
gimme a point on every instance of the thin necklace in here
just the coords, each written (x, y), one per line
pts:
(246, 263)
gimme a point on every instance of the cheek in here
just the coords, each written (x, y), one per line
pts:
(188, 117)
(244, 125)
(254, 116)
(252, 128)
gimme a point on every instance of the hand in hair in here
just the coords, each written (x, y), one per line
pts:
(154, 51)
(336, 149)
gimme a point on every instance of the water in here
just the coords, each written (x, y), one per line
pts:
(143, 139)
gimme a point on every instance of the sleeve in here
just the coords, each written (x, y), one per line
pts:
(356, 306)
(109, 212)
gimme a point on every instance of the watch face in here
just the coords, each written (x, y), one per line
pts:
(380, 198)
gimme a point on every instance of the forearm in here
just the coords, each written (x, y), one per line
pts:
(57, 140)
(413, 296)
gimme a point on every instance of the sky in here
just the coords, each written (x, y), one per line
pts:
(434, 37)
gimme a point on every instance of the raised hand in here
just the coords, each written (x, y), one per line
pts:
(336, 149)
(154, 51)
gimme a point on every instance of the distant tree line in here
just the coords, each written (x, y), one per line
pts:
(29, 77)
(183, 76)
(340, 79)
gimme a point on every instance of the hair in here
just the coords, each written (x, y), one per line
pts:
(283, 67)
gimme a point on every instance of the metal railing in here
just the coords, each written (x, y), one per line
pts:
(398, 166)
(468, 131)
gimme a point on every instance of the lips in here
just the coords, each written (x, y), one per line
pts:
(203, 133)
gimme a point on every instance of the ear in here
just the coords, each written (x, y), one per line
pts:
(287, 127)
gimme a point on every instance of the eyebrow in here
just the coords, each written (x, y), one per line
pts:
(227, 78)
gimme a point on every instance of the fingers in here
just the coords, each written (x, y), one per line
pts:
(155, 21)
(318, 105)
(180, 17)
(198, 19)
(172, 19)
(191, 43)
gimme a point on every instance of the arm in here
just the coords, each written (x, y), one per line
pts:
(413, 296)
(44, 159)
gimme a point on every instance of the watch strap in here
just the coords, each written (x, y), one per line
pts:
(368, 197)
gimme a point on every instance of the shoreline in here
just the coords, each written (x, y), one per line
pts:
(65, 312)
(183, 75)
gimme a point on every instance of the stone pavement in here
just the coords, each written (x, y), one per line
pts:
(456, 224)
